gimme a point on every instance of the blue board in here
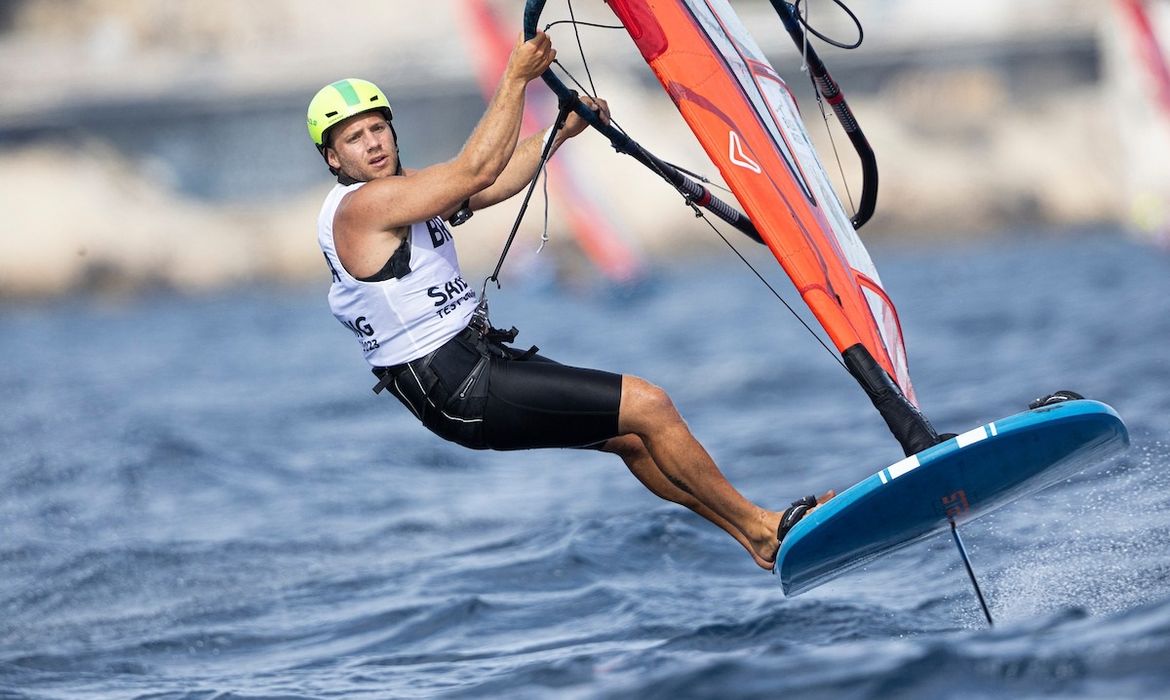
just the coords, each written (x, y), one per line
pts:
(958, 479)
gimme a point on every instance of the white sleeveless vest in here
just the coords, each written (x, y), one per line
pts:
(399, 320)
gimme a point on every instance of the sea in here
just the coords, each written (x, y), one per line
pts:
(201, 498)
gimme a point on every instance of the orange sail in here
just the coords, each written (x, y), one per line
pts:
(748, 123)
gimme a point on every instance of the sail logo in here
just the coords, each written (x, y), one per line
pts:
(736, 154)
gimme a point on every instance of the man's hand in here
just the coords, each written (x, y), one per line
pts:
(530, 58)
(575, 124)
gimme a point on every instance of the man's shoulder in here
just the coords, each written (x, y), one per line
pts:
(341, 191)
(334, 199)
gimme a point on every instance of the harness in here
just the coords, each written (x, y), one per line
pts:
(448, 389)
(488, 342)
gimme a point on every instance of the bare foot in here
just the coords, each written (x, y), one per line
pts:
(773, 544)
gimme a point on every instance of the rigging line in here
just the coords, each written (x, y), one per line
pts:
(840, 3)
(573, 78)
(612, 122)
(583, 23)
(581, 49)
(544, 238)
(836, 357)
(593, 91)
(804, 42)
(545, 154)
(697, 176)
(833, 142)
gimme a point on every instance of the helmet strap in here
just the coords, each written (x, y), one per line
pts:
(397, 153)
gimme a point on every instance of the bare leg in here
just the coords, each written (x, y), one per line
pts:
(634, 453)
(647, 412)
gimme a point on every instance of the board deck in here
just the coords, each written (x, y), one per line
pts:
(961, 478)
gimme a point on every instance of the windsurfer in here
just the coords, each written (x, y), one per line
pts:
(397, 285)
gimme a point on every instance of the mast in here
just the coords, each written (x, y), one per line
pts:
(907, 423)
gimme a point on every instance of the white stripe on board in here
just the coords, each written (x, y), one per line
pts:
(972, 436)
(994, 430)
(899, 468)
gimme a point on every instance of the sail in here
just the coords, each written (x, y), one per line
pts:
(748, 122)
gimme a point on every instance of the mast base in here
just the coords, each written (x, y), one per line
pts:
(905, 421)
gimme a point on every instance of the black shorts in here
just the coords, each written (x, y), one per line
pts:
(486, 395)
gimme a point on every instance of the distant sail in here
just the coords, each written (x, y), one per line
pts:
(1148, 45)
(747, 121)
(1137, 64)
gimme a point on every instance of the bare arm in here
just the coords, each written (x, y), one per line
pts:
(518, 173)
(388, 204)
(522, 167)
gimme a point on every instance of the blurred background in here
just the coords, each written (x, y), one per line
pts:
(147, 144)
(201, 497)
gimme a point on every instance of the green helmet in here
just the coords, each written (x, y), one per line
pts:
(341, 100)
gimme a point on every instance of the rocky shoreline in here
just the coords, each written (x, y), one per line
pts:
(961, 153)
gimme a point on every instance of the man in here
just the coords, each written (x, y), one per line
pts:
(398, 287)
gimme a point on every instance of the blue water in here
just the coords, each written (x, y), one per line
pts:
(202, 499)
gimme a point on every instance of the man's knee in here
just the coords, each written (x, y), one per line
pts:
(642, 399)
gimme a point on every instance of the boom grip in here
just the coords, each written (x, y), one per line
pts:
(720, 209)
